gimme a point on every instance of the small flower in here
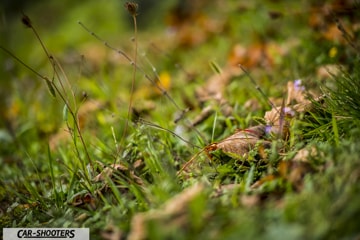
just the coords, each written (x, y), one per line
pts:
(333, 52)
(268, 129)
(298, 85)
(288, 111)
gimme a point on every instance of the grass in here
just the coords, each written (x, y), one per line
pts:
(76, 152)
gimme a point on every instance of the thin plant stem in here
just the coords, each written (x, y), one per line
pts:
(132, 81)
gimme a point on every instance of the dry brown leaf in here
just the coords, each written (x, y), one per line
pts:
(213, 92)
(248, 57)
(278, 118)
(276, 124)
(224, 188)
(297, 173)
(215, 86)
(303, 154)
(250, 200)
(83, 200)
(174, 211)
(189, 26)
(260, 54)
(295, 93)
(291, 171)
(111, 232)
(181, 201)
(197, 32)
(252, 105)
(329, 70)
(62, 136)
(240, 143)
(332, 33)
(108, 172)
(237, 145)
(85, 114)
(205, 114)
(294, 172)
(87, 109)
(81, 217)
(94, 54)
(263, 180)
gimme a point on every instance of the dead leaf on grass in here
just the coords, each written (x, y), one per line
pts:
(294, 172)
(213, 93)
(328, 71)
(237, 146)
(278, 118)
(83, 200)
(116, 168)
(250, 200)
(259, 54)
(220, 190)
(189, 30)
(85, 115)
(173, 213)
(240, 143)
(263, 180)
(215, 86)
(295, 92)
(111, 232)
(304, 154)
(249, 57)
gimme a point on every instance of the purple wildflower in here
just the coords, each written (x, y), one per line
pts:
(289, 111)
(268, 129)
(298, 86)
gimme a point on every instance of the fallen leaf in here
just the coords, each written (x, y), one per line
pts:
(252, 105)
(278, 118)
(236, 146)
(295, 93)
(304, 154)
(81, 217)
(111, 232)
(213, 93)
(95, 55)
(240, 143)
(84, 115)
(116, 168)
(263, 180)
(277, 123)
(83, 199)
(215, 86)
(220, 190)
(250, 200)
(197, 31)
(332, 33)
(205, 114)
(259, 54)
(248, 57)
(328, 71)
(173, 213)
(294, 172)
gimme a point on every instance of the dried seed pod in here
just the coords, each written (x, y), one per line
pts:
(132, 8)
(26, 21)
